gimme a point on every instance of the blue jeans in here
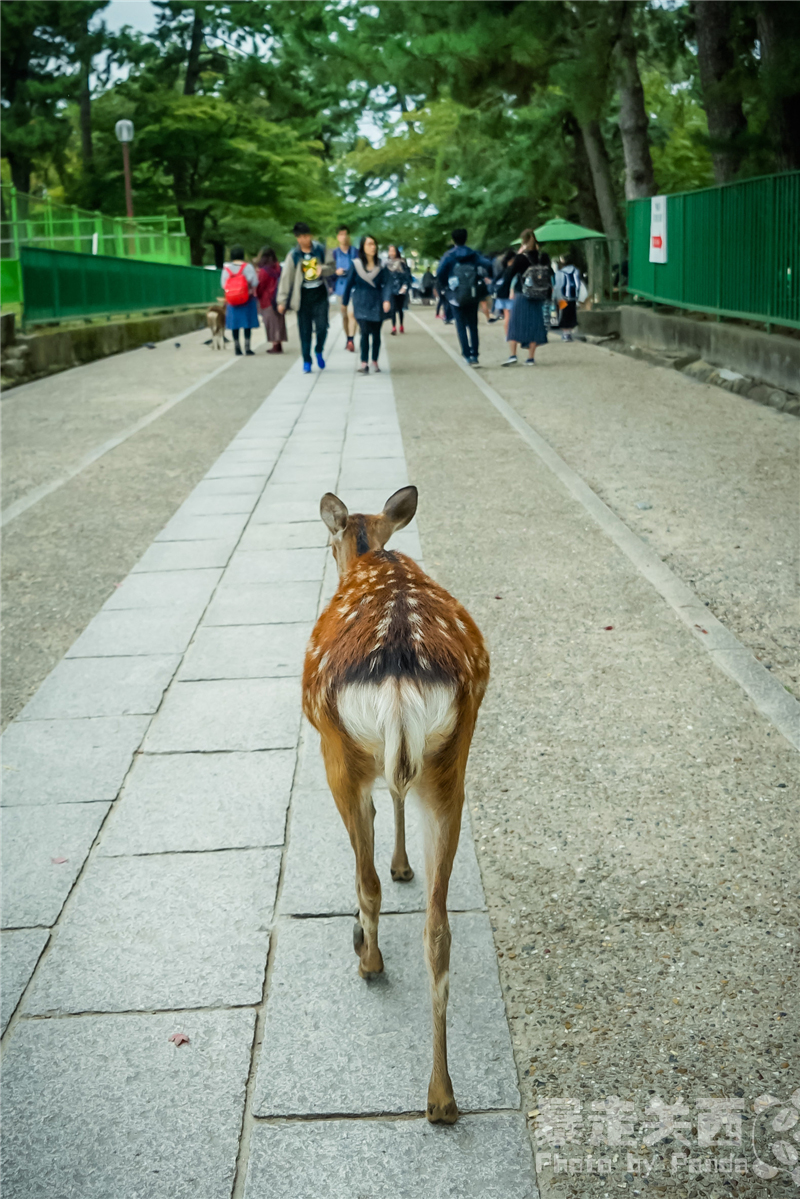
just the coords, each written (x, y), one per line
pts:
(467, 326)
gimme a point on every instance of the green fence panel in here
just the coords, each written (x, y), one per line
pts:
(731, 250)
(59, 285)
(10, 282)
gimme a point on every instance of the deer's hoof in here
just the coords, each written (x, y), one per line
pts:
(358, 937)
(403, 874)
(442, 1113)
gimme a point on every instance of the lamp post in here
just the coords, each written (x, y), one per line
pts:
(124, 132)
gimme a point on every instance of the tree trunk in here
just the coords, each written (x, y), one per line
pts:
(194, 220)
(87, 152)
(779, 34)
(586, 200)
(601, 177)
(721, 96)
(20, 172)
(193, 61)
(633, 123)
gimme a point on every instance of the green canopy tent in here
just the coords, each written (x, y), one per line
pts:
(561, 230)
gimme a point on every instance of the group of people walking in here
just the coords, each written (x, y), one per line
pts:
(523, 284)
(370, 291)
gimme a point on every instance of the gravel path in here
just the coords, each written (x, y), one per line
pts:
(635, 817)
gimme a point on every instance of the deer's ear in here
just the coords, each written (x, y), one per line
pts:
(333, 512)
(400, 507)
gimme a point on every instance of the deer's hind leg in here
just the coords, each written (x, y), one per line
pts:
(351, 774)
(442, 794)
(401, 869)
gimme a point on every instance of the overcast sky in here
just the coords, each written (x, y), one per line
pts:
(139, 13)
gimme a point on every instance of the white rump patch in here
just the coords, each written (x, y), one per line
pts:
(399, 722)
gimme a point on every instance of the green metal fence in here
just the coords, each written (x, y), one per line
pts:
(731, 250)
(30, 221)
(59, 285)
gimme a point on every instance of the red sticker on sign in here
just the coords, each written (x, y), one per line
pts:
(657, 243)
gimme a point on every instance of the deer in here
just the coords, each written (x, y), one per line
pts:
(394, 675)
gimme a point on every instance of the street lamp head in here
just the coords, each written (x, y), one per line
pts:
(124, 131)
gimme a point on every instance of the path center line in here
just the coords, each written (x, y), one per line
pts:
(726, 651)
(38, 493)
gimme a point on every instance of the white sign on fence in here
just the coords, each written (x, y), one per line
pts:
(658, 228)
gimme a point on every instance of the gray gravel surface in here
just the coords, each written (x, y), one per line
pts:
(63, 557)
(635, 817)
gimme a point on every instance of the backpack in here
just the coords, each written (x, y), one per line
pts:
(571, 283)
(237, 289)
(536, 282)
(463, 282)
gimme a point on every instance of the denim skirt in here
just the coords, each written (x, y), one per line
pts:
(527, 322)
(242, 316)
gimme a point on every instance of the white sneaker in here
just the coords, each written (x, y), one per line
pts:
(510, 361)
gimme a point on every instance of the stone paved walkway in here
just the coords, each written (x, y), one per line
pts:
(174, 864)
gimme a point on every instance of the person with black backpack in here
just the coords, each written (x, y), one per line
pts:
(533, 272)
(461, 278)
(567, 291)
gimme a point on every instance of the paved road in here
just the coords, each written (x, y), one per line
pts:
(64, 555)
(632, 809)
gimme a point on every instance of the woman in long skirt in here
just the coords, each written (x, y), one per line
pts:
(240, 313)
(526, 325)
(269, 272)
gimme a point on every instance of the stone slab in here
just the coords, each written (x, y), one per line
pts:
(299, 467)
(237, 714)
(20, 950)
(81, 687)
(216, 505)
(165, 588)
(372, 446)
(310, 490)
(304, 535)
(35, 839)
(185, 555)
(341, 1045)
(188, 527)
(68, 761)
(275, 566)
(120, 632)
(231, 467)
(319, 876)
(481, 1157)
(105, 1107)
(167, 931)
(285, 511)
(383, 473)
(263, 603)
(236, 485)
(259, 651)
(199, 802)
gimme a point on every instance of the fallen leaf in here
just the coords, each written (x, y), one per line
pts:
(58, 861)
(498, 597)
(700, 627)
(607, 628)
(179, 1038)
(535, 1112)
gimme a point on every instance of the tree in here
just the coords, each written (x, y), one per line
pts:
(33, 87)
(716, 55)
(778, 28)
(633, 122)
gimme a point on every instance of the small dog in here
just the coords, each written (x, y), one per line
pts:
(215, 319)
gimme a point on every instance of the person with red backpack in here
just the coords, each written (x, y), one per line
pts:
(240, 282)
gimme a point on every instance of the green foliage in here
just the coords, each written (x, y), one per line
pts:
(679, 136)
(252, 113)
